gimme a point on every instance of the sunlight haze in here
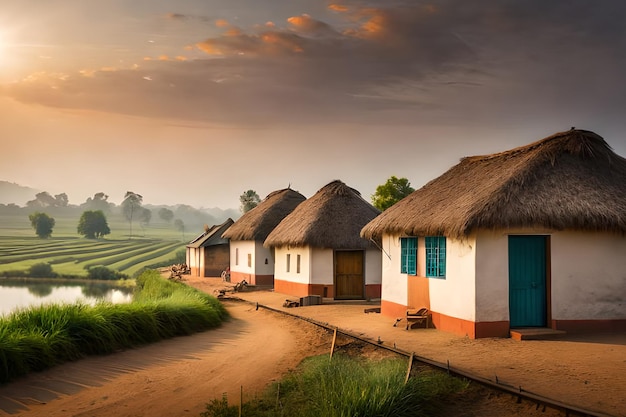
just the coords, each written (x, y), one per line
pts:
(196, 101)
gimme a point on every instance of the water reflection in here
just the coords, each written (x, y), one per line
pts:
(22, 293)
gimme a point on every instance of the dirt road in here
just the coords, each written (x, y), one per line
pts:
(173, 377)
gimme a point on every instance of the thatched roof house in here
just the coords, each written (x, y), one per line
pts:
(257, 223)
(530, 237)
(569, 181)
(321, 237)
(332, 218)
(249, 260)
(208, 254)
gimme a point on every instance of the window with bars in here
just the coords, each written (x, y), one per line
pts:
(298, 264)
(408, 255)
(288, 262)
(436, 256)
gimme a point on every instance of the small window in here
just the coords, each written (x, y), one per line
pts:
(297, 264)
(249, 260)
(236, 256)
(408, 255)
(435, 256)
(288, 262)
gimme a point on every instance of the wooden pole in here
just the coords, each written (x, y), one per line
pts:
(408, 371)
(332, 347)
(240, 400)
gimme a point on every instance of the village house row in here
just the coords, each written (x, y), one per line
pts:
(530, 237)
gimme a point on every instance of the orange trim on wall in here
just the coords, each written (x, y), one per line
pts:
(492, 329)
(390, 309)
(590, 326)
(373, 291)
(292, 288)
(252, 279)
(473, 330)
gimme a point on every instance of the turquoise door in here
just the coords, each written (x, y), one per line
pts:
(527, 281)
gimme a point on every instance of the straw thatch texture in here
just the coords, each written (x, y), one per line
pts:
(569, 181)
(332, 218)
(257, 223)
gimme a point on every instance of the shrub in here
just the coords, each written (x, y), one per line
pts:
(104, 273)
(41, 270)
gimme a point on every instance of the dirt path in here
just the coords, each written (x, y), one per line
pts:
(174, 377)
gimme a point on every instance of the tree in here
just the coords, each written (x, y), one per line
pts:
(61, 200)
(166, 214)
(42, 223)
(249, 200)
(180, 226)
(93, 224)
(98, 202)
(132, 201)
(144, 216)
(42, 199)
(388, 194)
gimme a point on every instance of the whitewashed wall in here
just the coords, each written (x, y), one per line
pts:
(280, 271)
(394, 283)
(259, 256)
(322, 270)
(588, 276)
(455, 296)
(373, 266)
(245, 247)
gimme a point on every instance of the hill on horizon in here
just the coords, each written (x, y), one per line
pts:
(12, 193)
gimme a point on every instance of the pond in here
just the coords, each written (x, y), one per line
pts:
(22, 293)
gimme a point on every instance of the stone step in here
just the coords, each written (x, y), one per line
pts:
(535, 333)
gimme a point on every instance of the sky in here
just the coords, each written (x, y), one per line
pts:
(196, 101)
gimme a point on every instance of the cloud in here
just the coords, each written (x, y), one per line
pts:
(397, 62)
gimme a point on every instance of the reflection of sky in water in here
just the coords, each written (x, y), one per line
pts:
(14, 296)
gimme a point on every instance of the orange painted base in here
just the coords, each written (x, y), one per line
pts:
(252, 279)
(390, 309)
(298, 289)
(451, 324)
(590, 326)
(373, 291)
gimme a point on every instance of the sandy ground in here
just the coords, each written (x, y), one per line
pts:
(178, 377)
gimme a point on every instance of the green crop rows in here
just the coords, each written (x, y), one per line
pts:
(70, 254)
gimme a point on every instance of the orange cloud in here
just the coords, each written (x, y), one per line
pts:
(222, 23)
(337, 8)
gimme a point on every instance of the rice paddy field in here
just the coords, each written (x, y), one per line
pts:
(70, 254)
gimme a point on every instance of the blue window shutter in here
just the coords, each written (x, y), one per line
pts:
(435, 256)
(408, 255)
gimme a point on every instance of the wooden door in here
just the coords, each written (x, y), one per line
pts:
(349, 277)
(527, 281)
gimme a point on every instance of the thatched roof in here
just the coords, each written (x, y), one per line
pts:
(257, 223)
(569, 181)
(212, 236)
(332, 218)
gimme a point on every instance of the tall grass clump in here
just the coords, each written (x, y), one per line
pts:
(37, 338)
(346, 387)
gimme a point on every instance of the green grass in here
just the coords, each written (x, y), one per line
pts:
(347, 387)
(38, 338)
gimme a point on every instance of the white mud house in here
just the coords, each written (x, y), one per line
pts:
(319, 251)
(249, 260)
(208, 254)
(530, 237)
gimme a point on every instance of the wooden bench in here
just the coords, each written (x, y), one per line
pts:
(414, 317)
